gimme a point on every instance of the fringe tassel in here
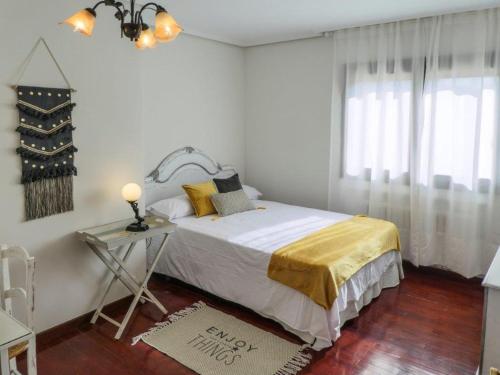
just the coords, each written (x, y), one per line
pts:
(170, 319)
(37, 134)
(44, 116)
(48, 172)
(48, 197)
(296, 363)
(34, 155)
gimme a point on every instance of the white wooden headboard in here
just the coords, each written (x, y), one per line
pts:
(186, 165)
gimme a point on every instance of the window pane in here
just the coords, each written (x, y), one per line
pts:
(377, 129)
(457, 137)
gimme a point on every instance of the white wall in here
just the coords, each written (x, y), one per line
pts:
(193, 92)
(288, 100)
(133, 108)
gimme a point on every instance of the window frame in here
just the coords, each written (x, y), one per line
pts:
(417, 93)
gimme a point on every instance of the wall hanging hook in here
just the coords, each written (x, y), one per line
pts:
(27, 61)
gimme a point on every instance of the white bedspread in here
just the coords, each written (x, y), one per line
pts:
(229, 257)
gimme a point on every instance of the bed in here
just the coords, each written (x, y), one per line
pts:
(229, 256)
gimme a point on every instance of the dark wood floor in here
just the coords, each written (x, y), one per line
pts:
(430, 324)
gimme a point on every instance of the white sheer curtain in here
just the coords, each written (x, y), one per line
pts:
(415, 134)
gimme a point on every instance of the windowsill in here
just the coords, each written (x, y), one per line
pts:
(441, 184)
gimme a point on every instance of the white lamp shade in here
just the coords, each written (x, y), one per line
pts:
(131, 192)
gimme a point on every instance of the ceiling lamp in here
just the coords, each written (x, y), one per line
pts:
(166, 28)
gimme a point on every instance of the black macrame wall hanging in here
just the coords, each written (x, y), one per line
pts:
(46, 149)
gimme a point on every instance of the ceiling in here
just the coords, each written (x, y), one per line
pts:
(253, 22)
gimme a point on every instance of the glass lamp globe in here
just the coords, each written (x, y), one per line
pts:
(82, 21)
(131, 192)
(166, 27)
(146, 39)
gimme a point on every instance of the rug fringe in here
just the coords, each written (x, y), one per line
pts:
(295, 364)
(170, 319)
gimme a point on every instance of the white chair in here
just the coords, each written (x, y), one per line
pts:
(8, 293)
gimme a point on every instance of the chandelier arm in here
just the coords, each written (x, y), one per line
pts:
(119, 6)
(122, 14)
(138, 17)
(114, 5)
(99, 3)
(144, 7)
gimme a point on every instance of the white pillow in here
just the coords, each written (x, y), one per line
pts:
(172, 208)
(252, 192)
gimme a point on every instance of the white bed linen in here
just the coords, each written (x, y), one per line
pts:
(229, 257)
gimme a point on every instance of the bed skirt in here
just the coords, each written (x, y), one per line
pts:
(389, 279)
(293, 310)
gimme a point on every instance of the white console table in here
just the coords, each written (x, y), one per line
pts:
(490, 353)
(106, 242)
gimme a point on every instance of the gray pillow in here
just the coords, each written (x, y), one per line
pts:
(231, 203)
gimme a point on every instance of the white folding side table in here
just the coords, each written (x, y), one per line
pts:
(12, 333)
(107, 241)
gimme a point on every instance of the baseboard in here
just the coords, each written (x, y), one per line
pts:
(434, 270)
(67, 328)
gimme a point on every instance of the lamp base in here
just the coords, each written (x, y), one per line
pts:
(137, 227)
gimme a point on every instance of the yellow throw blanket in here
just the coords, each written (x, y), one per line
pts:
(318, 264)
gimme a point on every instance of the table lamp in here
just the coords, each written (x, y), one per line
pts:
(131, 193)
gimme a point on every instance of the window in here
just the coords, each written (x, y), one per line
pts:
(458, 130)
(455, 142)
(377, 128)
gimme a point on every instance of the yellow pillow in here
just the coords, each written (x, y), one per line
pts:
(199, 195)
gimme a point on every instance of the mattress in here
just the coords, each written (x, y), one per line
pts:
(229, 256)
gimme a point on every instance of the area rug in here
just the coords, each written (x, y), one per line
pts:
(211, 342)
